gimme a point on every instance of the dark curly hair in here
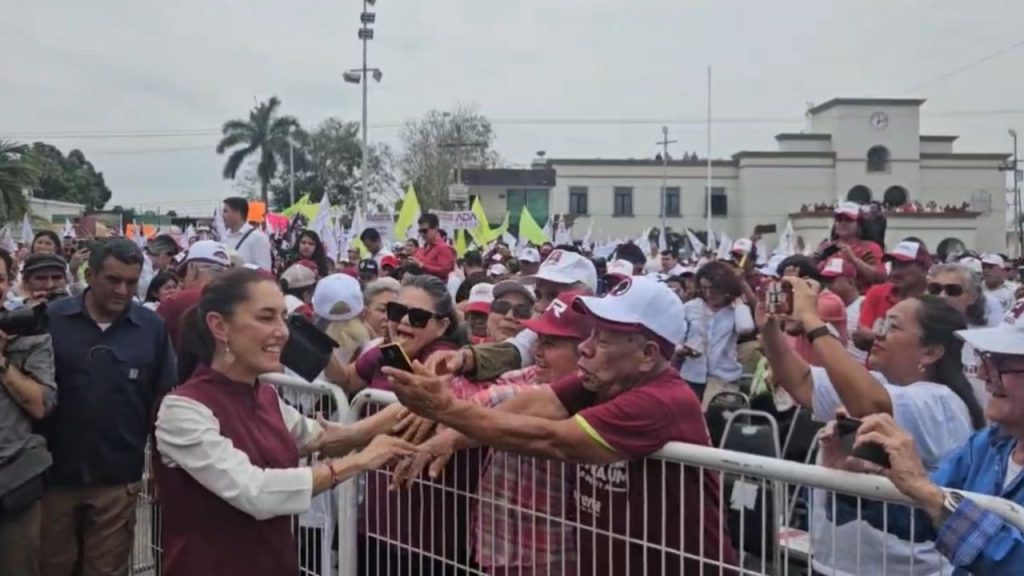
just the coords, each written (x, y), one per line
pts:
(722, 277)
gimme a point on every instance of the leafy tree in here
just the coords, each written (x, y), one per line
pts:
(434, 146)
(263, 136)
(69, 178)
(331, 162)
(16, 174)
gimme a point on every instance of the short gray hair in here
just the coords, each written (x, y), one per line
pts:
(976, 311)
(380, 286)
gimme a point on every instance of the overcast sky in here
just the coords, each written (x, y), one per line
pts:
(103, 69)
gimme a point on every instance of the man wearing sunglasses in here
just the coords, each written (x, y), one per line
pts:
(435, 257)
(975, 540)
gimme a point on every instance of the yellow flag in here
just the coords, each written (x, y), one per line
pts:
(482, 233)
(500, 230)
(460, 243)
(303, 206)
(408, 215)
(529, 230)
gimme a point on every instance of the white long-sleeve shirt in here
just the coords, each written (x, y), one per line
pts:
(715, 335)
(255, 249)
(188, 437)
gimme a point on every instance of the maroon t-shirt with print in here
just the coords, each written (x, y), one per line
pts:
(680, 505)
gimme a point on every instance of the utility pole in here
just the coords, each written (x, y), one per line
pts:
(664, 182)
(1018, 219)
(457, 192)
(291, 169)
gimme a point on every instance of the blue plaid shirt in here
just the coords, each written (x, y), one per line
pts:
(974, 540)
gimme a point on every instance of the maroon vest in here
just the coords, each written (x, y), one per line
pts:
(203, 534)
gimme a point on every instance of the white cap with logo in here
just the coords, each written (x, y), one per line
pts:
(620, 267)
(1006, 338)
(563, 267)
(993, 259)
(208, 252)
(338, 297)
(640, 302)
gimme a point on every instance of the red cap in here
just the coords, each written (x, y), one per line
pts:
(389, 260)
(562, 320)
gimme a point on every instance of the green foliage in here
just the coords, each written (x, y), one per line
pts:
(69, 178)
(263, 136)
(16, 174)
(432, 151)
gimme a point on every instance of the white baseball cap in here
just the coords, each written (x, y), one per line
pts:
(743, 246)
(480, 297)
(529, 255)
(851, 209)
(208, 252)
(640, 303)
(298, 276)
(970, 262)
(338, 297)
(620, 267)
(497, 270)
(563, 267)
(1006, 338)
(993, 259)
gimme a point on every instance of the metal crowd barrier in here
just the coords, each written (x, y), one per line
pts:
(492, 512)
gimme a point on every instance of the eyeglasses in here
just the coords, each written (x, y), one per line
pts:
(951, 290)
(886, 325)
(995, 365)
(520, 311)
(418, 317)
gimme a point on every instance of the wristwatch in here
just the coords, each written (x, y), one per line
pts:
(823, 330)
(950, 503)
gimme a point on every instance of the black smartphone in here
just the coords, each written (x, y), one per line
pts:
(846, 428)
(392, 355)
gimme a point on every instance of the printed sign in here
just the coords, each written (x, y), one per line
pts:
(452, 220)
(383, 223)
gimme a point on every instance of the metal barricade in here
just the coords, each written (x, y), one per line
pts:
(680, 511)
(323, 548)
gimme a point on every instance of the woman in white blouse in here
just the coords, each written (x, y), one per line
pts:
(714, 322)
(228, 473)
(918, 380)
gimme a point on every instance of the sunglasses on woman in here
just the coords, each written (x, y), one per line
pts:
(520, 311)
(418, 317)
(951, 290)
(996, 365)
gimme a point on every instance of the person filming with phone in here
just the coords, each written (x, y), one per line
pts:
(917, 379)
(974, 540)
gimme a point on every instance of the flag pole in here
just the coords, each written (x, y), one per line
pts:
(708, 191)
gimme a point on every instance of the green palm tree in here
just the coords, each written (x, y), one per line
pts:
(16, 174)
(264, 134)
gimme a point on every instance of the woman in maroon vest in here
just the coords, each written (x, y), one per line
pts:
(229, 448)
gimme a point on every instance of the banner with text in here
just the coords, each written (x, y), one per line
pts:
(383, 223)
(452, 220)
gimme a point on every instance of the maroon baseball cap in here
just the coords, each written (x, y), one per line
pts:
(910, 251)
(562, 320)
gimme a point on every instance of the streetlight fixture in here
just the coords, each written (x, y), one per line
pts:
(359, 76)
(1017, 220)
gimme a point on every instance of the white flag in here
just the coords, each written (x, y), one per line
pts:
(787, 240)
(220, 230)
(322, 221)
(69, 229)
(547, 229)
(724, 246)
(508, 239)
(186, 239)
(695, 244)
(644, 242)
(6, 241)
(561, 234)
(590, 231)
(712, 243)
(26, 231)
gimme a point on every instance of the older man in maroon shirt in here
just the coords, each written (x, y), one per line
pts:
(435, 256)
(634, 515)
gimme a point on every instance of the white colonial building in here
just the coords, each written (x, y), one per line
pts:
(858, 149)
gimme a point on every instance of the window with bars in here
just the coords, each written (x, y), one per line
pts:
(719, 201)
(672, 201)
(623, 205)
(578, 200)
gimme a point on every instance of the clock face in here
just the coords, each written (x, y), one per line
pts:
(879, 120)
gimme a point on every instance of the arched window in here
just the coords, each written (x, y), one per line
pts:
(895, 197)
(949, 249)
(860, 194)
(878, 159)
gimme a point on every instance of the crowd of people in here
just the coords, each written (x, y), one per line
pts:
(110, 353)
